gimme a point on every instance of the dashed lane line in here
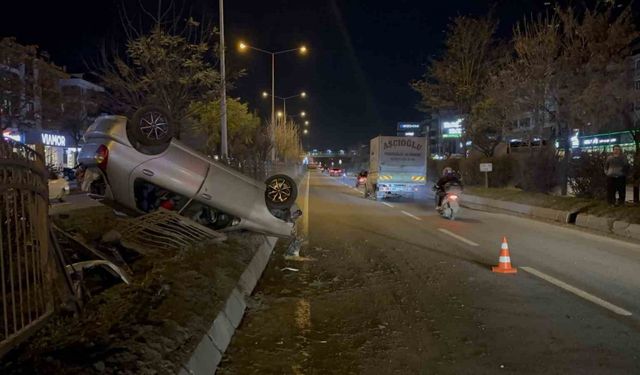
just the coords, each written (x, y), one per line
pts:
(411, 215)
(578, 292)
(457, 237)
(387, 204)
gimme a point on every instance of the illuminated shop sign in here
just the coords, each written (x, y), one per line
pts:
(53, 140)
(608, 139)
(599, 141)
(452, 129)
(408, 126)
(452, 124)
(12, 134)
(48, 138)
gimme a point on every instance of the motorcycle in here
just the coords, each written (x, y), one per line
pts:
(450, 204)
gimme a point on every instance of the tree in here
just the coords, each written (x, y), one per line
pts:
(458, 78)
(288, 144)
(161, 69)
(171, 64)
(491, 118)
(242, 125)
(567, 63)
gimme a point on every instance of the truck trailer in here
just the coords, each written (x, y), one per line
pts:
(397, 167)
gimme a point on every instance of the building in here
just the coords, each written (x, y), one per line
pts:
(409, 129)
(41, 103)
(444, 133)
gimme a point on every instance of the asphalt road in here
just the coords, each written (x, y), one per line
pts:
(392, 288)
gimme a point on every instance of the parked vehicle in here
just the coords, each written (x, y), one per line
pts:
(139, 165)
(58, 186)
(397, 167)
(336, 172)
(361, 179)
(450, 204)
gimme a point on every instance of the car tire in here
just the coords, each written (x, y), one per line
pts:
(281, 192)
(151, 126)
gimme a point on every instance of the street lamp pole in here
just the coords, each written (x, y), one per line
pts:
(273, 106)
(224, 149)
(302, 50)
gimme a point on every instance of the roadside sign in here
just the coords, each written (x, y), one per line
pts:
(486, 167)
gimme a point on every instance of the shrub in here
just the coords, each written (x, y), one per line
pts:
(586, 175)
(538, 171)
(501, 176)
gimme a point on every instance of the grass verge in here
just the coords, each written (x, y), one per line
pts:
(149, 327)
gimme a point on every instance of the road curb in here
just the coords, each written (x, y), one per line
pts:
(208, 354)
(624, 229)
(597, 223)
(476, 202)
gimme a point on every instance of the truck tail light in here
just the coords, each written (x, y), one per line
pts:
(102, 157)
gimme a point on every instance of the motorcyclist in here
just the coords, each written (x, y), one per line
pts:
(449, 176)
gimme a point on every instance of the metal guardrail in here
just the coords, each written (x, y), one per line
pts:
(26, 295)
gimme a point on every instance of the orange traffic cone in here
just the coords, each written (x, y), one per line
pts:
(504, 262)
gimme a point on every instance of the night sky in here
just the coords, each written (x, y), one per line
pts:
(363, 53)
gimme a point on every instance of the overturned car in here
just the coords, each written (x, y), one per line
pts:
(138, 164)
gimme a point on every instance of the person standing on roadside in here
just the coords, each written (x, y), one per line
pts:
(616, 168)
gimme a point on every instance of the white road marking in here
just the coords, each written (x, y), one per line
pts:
(578, 292)
(387, 204)
(410, 215)
(457, 237)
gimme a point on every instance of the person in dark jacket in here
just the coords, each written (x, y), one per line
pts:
(448, 177)
(616, 168)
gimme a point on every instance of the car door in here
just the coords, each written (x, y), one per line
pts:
(178, 170)
(232, 192)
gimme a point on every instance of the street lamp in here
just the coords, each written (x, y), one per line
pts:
(306, 122)
(305, 131)
(302, 50)
(285, 98)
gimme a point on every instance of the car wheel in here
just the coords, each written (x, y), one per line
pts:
(281, 192)
(151, 126)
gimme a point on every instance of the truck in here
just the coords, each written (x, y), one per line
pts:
(397, 167)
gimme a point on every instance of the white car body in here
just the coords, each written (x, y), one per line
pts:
(180, 170)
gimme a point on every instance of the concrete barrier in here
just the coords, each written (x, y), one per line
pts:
(208, 354)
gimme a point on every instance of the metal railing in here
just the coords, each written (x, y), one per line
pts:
(26, 295)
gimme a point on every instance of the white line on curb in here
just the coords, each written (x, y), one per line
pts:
(457, 237)
(306, 207)
(410, 215)
(577, 292)
(387, 204)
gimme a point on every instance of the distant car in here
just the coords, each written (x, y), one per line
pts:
(138, 164)
(361, 178)
(336, 172)
(58, 187)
